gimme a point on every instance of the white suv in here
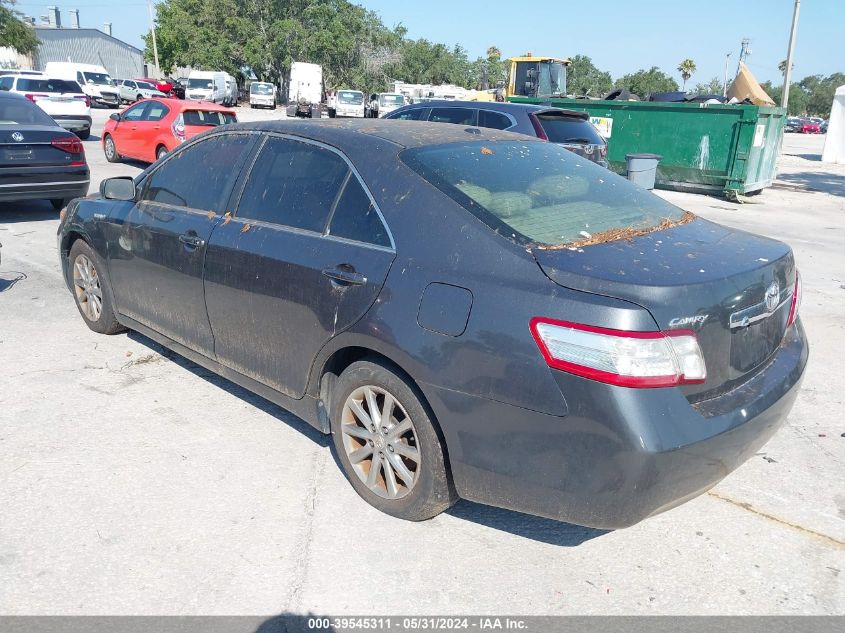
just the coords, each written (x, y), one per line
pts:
(132, 90)
(61, 99)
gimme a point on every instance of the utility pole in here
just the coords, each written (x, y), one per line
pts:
(784, 99)
(744, 52)
(153, 29)
(725, 84)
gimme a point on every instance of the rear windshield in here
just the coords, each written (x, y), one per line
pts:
(563, 129)
(22, 112)
(49, 85)
(208, 118)
(261, 89)
(537, 193)
(350, 98)
(200, 83)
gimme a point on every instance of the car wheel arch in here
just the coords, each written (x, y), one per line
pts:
(343, 357)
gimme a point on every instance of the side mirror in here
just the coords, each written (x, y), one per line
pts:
(115, 116)
(119, 188)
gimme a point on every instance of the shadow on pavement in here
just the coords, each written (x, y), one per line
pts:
(822, 181)
(290, 623)
(283, 415)
(525, 525)
(27, 211)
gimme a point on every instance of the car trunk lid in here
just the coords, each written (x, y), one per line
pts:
(732, 288)
(34, 147)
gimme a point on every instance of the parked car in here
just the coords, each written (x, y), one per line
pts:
(132, 90)
(793, 124)
(382, 104)
(39, 159)
(569, 128)
(207, 86)
(151, 128)
(262, 95)
(63, 100)
(94, 80)
(808, 126)
(428, 295)
(164, 86)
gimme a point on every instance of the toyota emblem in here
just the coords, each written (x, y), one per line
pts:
(772, 296)
(17, 137)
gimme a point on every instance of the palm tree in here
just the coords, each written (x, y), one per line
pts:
(686, 68)
(494, 53)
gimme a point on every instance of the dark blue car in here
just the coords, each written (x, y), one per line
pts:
(469, 312)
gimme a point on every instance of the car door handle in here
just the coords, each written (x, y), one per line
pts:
(191, 240)
(344, 275)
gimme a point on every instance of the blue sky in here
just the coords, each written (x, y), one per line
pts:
(620, 35)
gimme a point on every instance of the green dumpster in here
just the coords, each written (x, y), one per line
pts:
(706, 148)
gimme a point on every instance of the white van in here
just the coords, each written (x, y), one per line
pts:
(347, 103)
(231, 91)
(95, 81)
(262, 94)
(207, 85)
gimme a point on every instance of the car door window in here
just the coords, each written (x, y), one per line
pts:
(356, 218)
(6, 83)
(495, 120)
(294, 184)
(80, 79)
(155, 111)
(458, 116)
(410, 115)
(129, 84)
(135, 113)
(201, 175)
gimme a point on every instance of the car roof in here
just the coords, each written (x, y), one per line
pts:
(405, 134)
(498, 106)
(181, 105)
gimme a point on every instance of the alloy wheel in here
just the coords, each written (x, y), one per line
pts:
(86, 285)
(380, 442)
(110, 149)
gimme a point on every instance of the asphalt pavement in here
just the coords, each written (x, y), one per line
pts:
(135, 482)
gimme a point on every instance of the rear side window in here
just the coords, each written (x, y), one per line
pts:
(201, 175)
(537, 193)
(562, 129)
(208, 118)
(495, 120)
(458, 116)
(410, 115)
(49, 85)
(294, 184)
(6, 83)
(155, 111)
(356, 218)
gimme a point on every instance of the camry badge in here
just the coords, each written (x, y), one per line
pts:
(17, 137)
(772, 296)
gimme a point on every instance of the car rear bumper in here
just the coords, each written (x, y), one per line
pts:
(620, 455)
(43, 183)
(73, 122)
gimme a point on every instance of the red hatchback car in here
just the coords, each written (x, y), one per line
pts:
(148, 129)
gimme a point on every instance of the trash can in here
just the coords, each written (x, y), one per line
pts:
(642, 169)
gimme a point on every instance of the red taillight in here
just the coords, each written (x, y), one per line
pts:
(796, 300)
(71, 145)
(85, 98)
(35, 97)
(619, 357)
(538, 128)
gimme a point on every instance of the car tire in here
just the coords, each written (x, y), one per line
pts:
(110, 149)
(91, 289)
(138, 97)
(411, 479)
(84, 134)
(161, 151)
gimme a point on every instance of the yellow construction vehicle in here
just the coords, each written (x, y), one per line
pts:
(535, 76)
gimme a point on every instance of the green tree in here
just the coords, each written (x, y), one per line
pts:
(583, 78)
(13, 32)
(820, 91)
(687, 69)
(712, 87)
(646, 82)
(798, 98)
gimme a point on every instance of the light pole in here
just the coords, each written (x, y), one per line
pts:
(725, 84)
(153, 30)
(787, 75)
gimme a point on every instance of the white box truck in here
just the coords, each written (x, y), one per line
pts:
(305, 90)
(94, 81)
(207, 85)
(347, 103)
